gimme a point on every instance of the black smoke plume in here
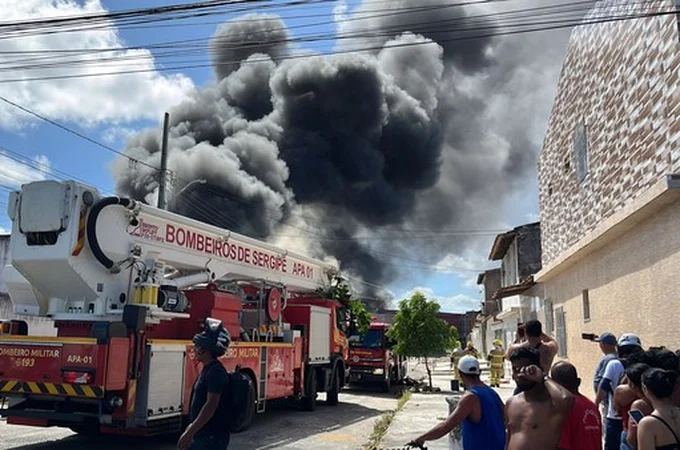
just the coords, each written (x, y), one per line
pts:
(353, 145)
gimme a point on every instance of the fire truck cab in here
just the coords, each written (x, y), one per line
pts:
(372, 361)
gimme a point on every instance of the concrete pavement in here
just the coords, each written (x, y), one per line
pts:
(346, 426)
(424, 410)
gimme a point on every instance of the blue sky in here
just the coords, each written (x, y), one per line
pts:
(50, 145)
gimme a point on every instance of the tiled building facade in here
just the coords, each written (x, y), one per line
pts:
(609, 207)
(620, 80)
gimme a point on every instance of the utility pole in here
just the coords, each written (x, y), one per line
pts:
(163, 181)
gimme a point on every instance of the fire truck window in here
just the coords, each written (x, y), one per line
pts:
(372, 339)
(341, 319)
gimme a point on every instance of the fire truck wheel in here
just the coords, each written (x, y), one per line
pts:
(334, 392)
(309, 400)
(249, 413)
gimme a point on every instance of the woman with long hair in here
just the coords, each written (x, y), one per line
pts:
(661, 429)
(629, 440)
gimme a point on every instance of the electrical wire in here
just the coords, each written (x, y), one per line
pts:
(51, 61)
(122, 14)
(548, 27)
(123, 22)
(205, 42)
(56, 173)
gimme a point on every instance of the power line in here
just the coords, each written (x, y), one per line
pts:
(63, 127)
(51, 61)
(104, 25)
(122, 21)
(125, 24)
(48, 170)
(204, 42)
(291, 17)
(559, 25)
(121, 14)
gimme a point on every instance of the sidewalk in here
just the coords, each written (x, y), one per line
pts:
(423, 411)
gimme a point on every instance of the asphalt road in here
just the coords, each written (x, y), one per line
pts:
(345, 426)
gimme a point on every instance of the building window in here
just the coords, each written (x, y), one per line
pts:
(561, 332)
(509, 266)
(585, 297)
(549, 322)
(581, 151)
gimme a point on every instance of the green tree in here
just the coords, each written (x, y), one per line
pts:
(419, 333)
(357, 315)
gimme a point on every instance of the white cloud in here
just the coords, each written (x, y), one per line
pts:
(340, 12)
(466, 266)
(458, 303)
(14, 174)
(117, 99)
(115, 134)
(460, 264)
(4, 230)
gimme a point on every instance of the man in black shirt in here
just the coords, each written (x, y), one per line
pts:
(209, 412)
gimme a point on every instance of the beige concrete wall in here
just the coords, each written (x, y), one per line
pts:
(634, 286)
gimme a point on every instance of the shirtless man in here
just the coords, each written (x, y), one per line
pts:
(536, 339)
(535, 416)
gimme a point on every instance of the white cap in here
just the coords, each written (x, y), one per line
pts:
(629, 339)
(469, 365)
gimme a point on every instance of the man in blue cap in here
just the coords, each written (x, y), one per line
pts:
(607, 342)
(628, 344)
(209, 409)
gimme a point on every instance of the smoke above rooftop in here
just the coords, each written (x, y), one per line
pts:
(339, 154)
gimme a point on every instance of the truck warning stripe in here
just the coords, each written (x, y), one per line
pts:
(61, 389)
(7, 386)
(80, 243)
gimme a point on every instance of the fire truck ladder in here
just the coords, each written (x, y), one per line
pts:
(262, 391)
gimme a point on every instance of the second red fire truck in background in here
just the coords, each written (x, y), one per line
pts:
(372, 361)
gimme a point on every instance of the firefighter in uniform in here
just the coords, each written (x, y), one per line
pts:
(455, 357)
(495, 358)
(471, 350)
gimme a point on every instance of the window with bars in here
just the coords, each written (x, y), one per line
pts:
(561, 331)
(581, 156)
(585, 298)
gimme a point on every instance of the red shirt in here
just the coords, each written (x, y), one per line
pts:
(624, 414)
(582, 429)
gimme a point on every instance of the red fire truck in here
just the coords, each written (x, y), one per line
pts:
(127, 286)
(372, 360)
